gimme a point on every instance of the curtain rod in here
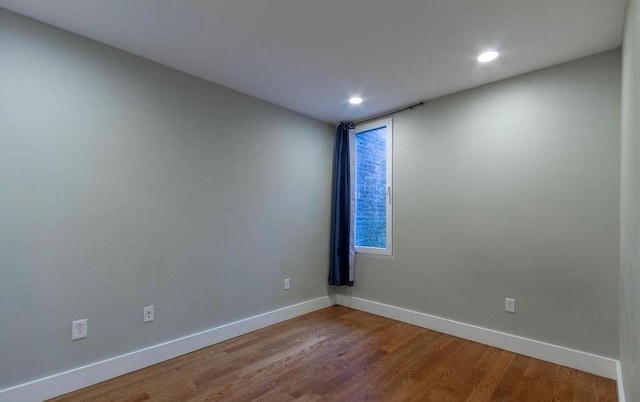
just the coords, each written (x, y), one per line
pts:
(388, 113)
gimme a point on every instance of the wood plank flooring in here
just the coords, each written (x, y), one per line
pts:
(340, 354)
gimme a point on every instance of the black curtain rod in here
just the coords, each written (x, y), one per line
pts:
(387, 113)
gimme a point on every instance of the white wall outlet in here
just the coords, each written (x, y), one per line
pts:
(147, 314)
(287, 284)
(78, 329)
(510, 305)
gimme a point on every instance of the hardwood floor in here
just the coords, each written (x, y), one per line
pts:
(340, 354)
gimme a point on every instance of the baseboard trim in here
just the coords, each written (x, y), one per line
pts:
(621, 397)
(590, 363)
(77, 378)
(68, 381)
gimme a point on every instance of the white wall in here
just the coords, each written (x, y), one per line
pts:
(630, 210)
(511, 190)
(125, 183)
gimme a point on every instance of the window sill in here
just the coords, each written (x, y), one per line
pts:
(379, 256)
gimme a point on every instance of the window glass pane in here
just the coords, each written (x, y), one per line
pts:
(371, 188)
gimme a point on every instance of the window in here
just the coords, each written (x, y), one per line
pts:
(371, 161)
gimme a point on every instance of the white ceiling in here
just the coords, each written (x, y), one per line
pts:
(311, 55)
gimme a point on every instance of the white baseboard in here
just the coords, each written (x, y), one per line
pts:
(583, 361)
(68, 381)
(621, 397)
(62, 383)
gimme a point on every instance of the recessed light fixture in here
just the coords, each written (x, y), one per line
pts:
(356, 100)
(488, 56)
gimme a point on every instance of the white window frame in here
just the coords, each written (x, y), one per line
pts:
(388, 123)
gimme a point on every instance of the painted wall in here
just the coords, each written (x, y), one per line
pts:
(630, 207)
(125, 183)
(511, 190)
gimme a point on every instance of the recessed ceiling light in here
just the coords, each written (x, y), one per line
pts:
(355, 100)
(488, 56)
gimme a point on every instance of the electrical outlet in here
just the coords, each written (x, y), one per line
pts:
(510, 305)
(78, 329)
(147, 314)
(287, 284)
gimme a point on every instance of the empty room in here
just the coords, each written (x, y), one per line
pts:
(325, 200)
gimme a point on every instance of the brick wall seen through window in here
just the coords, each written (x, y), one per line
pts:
(371, 188)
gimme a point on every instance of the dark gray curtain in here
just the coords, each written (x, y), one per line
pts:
(341, 210)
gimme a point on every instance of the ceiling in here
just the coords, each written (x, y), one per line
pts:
(312, 55)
